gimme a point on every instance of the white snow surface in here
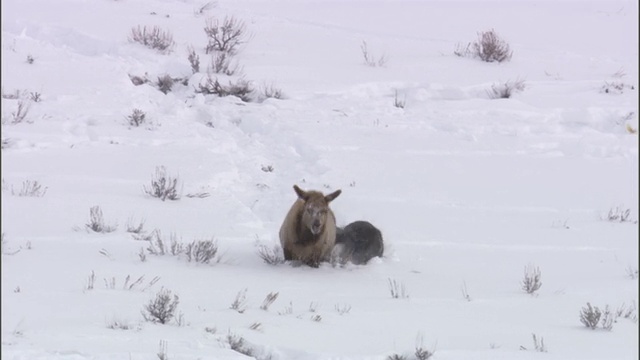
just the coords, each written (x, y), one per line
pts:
(467, 190)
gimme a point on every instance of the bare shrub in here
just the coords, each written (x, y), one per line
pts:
(618, 214)
(96, 221)
(421, 352)
(161, 309)
(163, 186)
(342, 308)
(241, 89)
(118, 324)
(199, 195)
(138, 80)
(268, 300)
(135, 229)
(194, 60)
(35, 96)
(463, 51)
(30, 189)
(316, 318)
(164, 83)
(370, 59)
(490, 47)
(225, 36)
(615, 87)
(269, 91)
(590, 316)
(201, 251)
(30, 59)
(162, 351)
(271, 255)
(608, 318)
(157, 245)
(632, 273)
(21, 112)
(397, 289)
(399, 103)
(505, 90)
(257, 326)
(287, 309)
(397, 357)
(205, 8)
(137, 117)
(531, 281)
(538, 344)
(222, 63)
(465, 293)
(239, 304)
(91, 281)
(153, 38)
(627, 312)
(237, 344)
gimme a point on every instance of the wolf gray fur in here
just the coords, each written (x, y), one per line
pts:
(358, 243)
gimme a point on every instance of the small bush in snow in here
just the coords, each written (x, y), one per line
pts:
(397, 289)
(222, 63)
(268, 300)
(632, 273)
(137, 117)
(163, 186)
(30, 189)
(257, 326)
(627, 312)
(505, 90)
(204, 8)
(269, 91)
(538, 345)
(96, 221)
(153, 38)
(162, 351)
(370, 59)
(271, 255)
(164, 83)
(237, 344)
(194, 60)
(225, 36)
(591, 316)
(397, 357)
(399, 103)
(615, 87)
(35, 96)
(490, 47)
(531, 281)
(30, 59)
(201, 251)
(422, 353)
(135, 229)
(239, 304)
(138, 80)
(161, 309)
(20, 114)
(618, 215)
(342, 308)
(241, 89)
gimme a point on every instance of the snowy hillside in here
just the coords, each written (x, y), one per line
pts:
(480, 175)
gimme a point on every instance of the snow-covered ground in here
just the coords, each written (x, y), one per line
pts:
(467, 190)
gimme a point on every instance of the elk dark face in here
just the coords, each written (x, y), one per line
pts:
(316, 208)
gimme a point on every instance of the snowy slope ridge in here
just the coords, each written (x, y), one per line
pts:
(472, 194)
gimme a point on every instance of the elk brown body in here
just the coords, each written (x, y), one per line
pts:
(308, 232)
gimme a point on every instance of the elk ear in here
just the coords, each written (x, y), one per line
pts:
(301, 193)
(333, 195)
